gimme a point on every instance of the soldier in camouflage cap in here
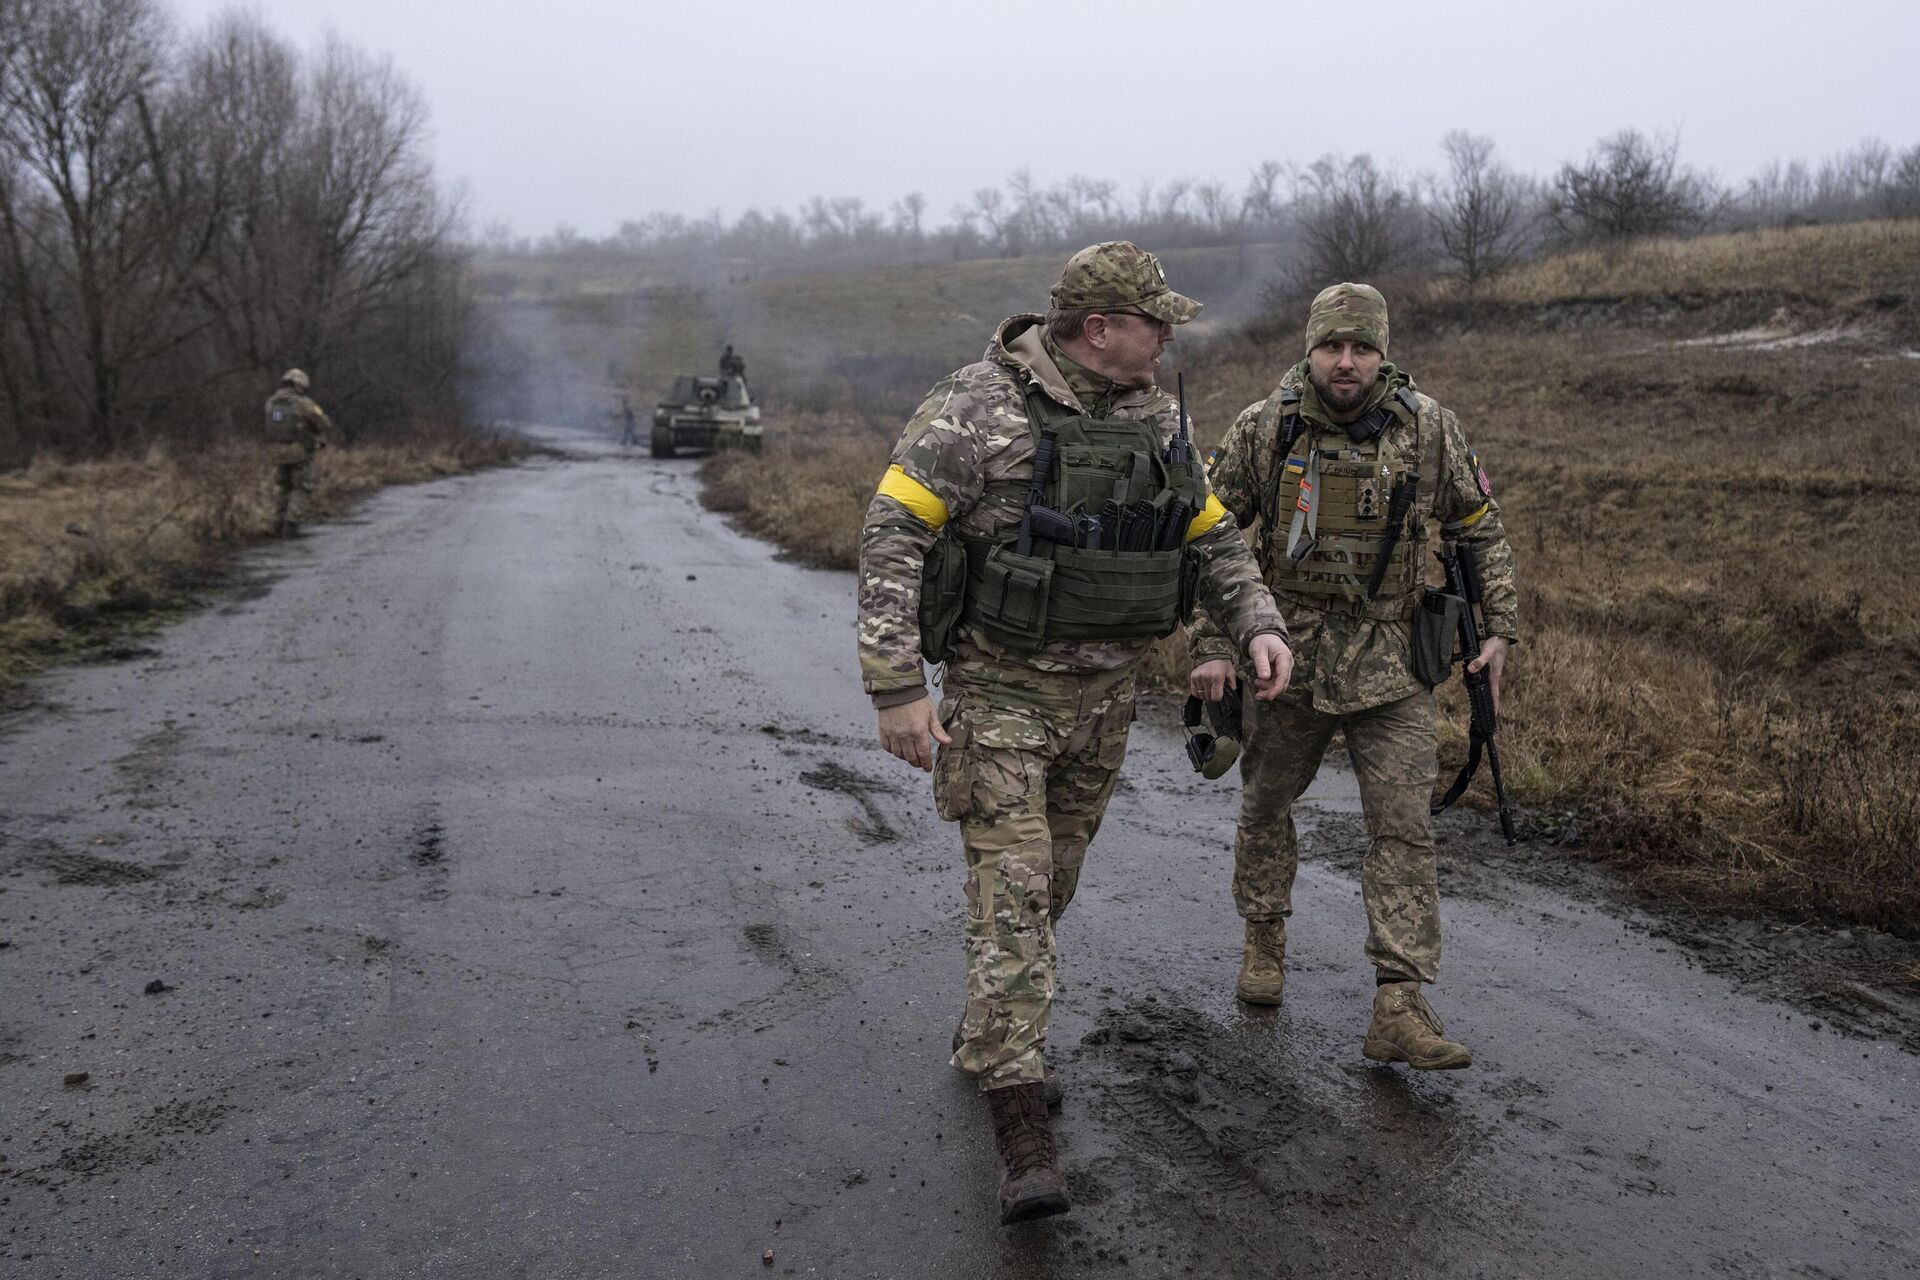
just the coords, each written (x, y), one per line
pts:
(297, 428)
(1031, 733)
(1316, 463)
(1118, 274)
(1355, 311)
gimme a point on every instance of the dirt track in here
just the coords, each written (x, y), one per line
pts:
(532, 900)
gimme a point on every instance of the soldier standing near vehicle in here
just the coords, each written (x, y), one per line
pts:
(1343, 444)
(297, 429)
(1040, 633)
(731, 365)
(629, 428)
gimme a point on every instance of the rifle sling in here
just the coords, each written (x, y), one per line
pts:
(1459, 787)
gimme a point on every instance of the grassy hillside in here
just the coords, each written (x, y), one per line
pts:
(1704, 452)
(869, 339)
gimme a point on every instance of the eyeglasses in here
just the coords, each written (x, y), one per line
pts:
(1155, 321)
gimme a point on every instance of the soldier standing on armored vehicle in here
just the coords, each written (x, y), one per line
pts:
(1048, 499)
(297, 428)
(731, 365)
(1342, 447)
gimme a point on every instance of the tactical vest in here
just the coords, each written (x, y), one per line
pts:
(283, 420)
(1064, 592)
(1330, 570)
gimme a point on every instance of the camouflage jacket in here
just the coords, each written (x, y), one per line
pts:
(972, 430)
(296, 423)
(1344, 662)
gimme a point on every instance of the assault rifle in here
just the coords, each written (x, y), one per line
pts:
(1463, 581)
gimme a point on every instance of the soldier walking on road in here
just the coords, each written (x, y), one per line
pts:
(1041, 632)
(297, 429)
(1319, 462)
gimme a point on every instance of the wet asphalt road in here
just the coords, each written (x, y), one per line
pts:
(532, 900)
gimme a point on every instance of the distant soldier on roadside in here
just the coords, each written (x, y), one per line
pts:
(1324, 462)
(629, 428)
(1040, 633)
(297, 429)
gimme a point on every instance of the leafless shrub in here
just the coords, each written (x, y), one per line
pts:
(1357, 221)
(1630, 185)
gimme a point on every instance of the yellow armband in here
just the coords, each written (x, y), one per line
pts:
(923, 503)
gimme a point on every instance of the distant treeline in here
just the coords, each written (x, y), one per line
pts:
(183, 218)
(1345, 216)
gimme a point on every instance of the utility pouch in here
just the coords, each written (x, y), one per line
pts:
(1113, 595)
(1189, 585)
(1436, 624)
(943, 595)
(1011, 596)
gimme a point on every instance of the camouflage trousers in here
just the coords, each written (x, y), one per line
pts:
(292, 489)
(1392, 747)
(1028, 775)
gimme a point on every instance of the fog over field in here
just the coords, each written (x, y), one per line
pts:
(589, 113)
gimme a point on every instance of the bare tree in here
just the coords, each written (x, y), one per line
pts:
(1262, 203)
(909, 215)
(175, 222)
(989, 210)
(76, 123)
(1356, 221)
(1630, 185)
(1217, 208)
(1900, 193)
(1480, 215)
(1780, 193)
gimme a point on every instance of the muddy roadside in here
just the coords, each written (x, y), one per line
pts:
(528, 896)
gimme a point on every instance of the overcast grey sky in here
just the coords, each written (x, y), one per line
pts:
(588, 111)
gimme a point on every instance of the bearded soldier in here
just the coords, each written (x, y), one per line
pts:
(1319, 462)
(297, 429)
(1057, 526)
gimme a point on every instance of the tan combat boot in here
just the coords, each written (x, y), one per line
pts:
(1031, 1184)
(1406, 1029)
(1263, 964)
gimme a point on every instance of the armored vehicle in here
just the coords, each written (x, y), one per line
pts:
(705, 412)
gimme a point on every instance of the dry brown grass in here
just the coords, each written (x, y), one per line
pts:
(91, 550)
(1719, 686)
(1828, 263)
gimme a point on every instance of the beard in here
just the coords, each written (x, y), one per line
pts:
(1338, 401)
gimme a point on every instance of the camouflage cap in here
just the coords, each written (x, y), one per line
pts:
(1353, 311)
(1117, 275)
(294, 378)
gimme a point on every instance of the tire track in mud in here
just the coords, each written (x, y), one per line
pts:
(807, 982)
(1260, 1166)
(832, 776)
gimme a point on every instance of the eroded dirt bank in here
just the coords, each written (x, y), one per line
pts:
(529, 898)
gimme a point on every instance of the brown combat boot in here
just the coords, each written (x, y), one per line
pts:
(1031, 1184)
(1263, 964)
(1055, 1095)
(1406, 1029)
